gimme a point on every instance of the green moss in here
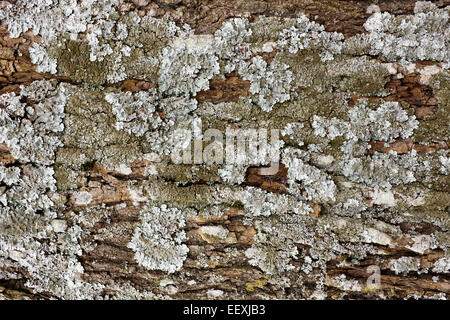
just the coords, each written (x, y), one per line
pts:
(65, 178)
(87, 166)
(139, 65)
(73, 58)
(90, 135)
(361, 76)
(188, 173)
(435, 128)
(266, 29)
(437, 200)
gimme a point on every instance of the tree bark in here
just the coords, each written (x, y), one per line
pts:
(92, 206)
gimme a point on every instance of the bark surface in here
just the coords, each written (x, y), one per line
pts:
(92, 206)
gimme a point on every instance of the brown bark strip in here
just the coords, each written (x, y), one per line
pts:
(397, 284)
(5, 155)
(405, 146)
(229, 89)
(273, 183)
(410, 90)
(133, 85)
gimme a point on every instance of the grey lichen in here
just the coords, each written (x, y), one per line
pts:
(49, 19)
(134, 113)
(305, 34)
(138, 114)
(187, 65)
(39, 57)
(382, 170)
(31, 132)
(260, 203)
(387, 123)
(270, 82)
(317, 184)
(340, 199)
(405, 264)
(421, 36)
(158, 240)
(29, 192)
(271, 254)
(233, 174)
